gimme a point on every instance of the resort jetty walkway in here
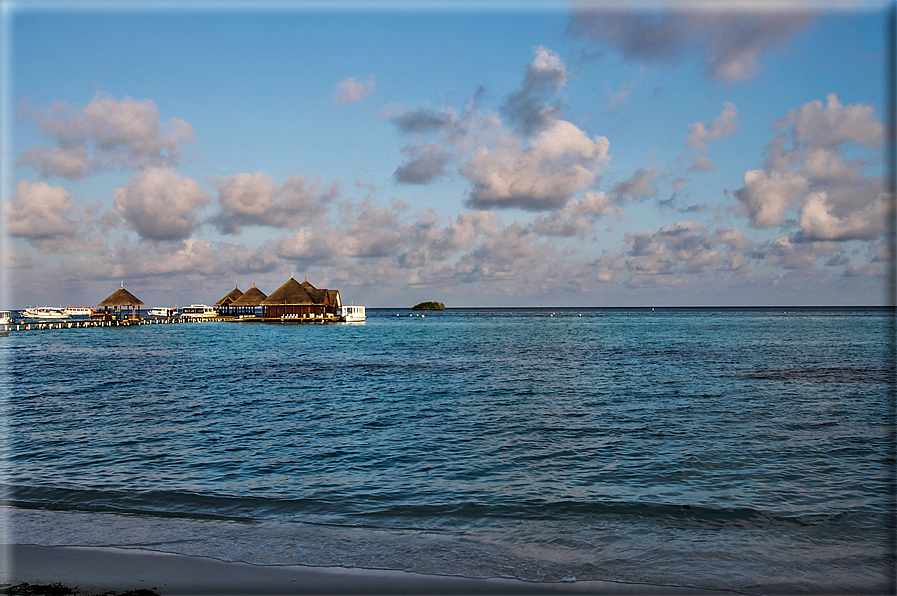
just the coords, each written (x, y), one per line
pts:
(35, 325)
(80, 324)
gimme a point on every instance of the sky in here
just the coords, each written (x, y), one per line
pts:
(477, 153)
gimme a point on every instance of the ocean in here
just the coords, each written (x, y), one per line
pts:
(750, 449)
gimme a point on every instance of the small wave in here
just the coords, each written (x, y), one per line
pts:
(660, 513)
(155, 503)
(826, 374)
(383, 512)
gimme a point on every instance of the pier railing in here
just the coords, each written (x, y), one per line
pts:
(34, 325)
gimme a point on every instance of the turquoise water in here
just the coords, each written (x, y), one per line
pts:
(747, 449)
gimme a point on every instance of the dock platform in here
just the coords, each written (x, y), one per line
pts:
(35, 325)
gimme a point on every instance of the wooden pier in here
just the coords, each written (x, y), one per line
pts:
(38, 325)
(35, 325)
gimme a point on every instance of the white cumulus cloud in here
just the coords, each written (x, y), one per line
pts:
(160, 204)
(685, 248)
(528, 107)
(578, 217)
(351, 90)
(830, 195)
(41, 211)
(640, 185)
(817, 125)
(699, 136)
(558, 162)
(106, 133)
(255, 199)
(819, 221)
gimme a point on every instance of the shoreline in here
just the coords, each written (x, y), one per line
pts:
(104, 569)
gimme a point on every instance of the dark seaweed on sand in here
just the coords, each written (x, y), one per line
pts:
(63, 590)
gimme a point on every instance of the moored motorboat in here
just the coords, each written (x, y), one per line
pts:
(5, 317)
(78, 311)
(198, 311)
(45, 312)
(161, 311)
(352, 314)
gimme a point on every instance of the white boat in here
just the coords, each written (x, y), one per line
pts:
(5, 317)
(161, 311)
(198, 311)
(352, 314)
(45, 312)
(78, 311)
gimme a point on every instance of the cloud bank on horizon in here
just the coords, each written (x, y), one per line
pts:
(594, 156)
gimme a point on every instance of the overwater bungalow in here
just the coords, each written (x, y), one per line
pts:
(249, 304)
(223, 306)
(294, 300)
(118, 299)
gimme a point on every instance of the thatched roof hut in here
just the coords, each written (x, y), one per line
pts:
(321, 296)
(228, 300)
(301, 299)
(249, 301)
(122, 297)
(333, 298)
(252, 297)
(314, 293)
(289, 294)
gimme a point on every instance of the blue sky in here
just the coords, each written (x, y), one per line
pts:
(557, 154)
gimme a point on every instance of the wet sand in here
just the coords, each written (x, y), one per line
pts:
(98, 570)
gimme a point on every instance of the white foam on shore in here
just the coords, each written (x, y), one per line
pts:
(474, 556)
(98, 569)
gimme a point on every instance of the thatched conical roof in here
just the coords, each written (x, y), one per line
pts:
(251, 297)
(321, 296)
(317, 296)
(121, 297)
(291, 293)
(233, 295)
(333, 298)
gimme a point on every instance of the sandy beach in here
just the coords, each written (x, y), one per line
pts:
(97, 570)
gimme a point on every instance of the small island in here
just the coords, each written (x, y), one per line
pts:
(429, 306)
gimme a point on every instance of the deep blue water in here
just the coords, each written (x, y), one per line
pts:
(748, 449)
